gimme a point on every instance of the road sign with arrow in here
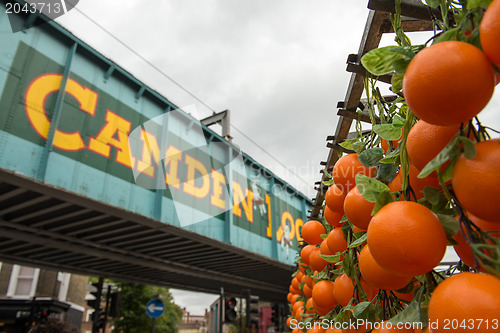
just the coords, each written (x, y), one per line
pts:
(155, 308)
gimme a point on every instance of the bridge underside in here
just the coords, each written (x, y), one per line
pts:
(48, 227)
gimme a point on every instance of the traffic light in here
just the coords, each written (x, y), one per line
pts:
(97, 315)
(252, 309)
(114, 308)
(277, 316)
(230, 314)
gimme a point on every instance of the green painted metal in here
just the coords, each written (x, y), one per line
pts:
(88, 171)
(56, 114)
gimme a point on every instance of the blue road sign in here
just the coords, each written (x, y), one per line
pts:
(155, 308)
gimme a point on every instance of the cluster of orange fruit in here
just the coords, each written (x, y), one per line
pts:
(445, 85)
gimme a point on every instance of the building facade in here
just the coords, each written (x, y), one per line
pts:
(30, 294)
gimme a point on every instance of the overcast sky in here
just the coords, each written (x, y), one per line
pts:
(278, 65)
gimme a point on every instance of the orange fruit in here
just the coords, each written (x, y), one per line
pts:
(417, 184)
(357, 209)
(308, 281)
(407, 297)
(466, 297)
(448, 83)
(476, 181)
(322, 294)
(336, 241)
(297, 305)
(295, 283)
(307, 291)
(333, 217)
(385, 327)
(406, 238)
(332, 329)
(357, 229)
(334, 198)
(294, 299)
(299, 276)
(346, 169)
(489, 32)
(299, 313)
(385, 145)
(309, 306)
(324, 249)
(311, 232)
(315, 261)
(293, 290)
(377, 276)
(321, 311)
(463, 249)
(343, 289)
(426, 140)
(305, 252)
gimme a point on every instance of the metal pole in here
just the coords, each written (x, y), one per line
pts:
(221, 309)
(241, 313)
(153, 327)
(97, 314)
(106, 309)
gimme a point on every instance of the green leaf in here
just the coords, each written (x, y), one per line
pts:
(346, 144)
(400, 66)
(433, 3)
(391, 157)
(397, 82)
(359, 241)
(440, 159)
(447, 36)
(344, 315)
(478, 3)
(370, 188)
(469, 147)
(398, 121)
(432, 194)
(363, 310)
(448, 172)
(381, 61)
(408, 288)
(333, 258)
(474, 38)
(320, 276)
(388, 131)
(339, 271)
(359, 234)
(348, 266)
(358, 147)
(371, 157)
(411, 314)
(383, 199)
(386, 172)
(329, 182)
(450, 225)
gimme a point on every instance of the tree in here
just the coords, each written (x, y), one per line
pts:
(133, 317)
